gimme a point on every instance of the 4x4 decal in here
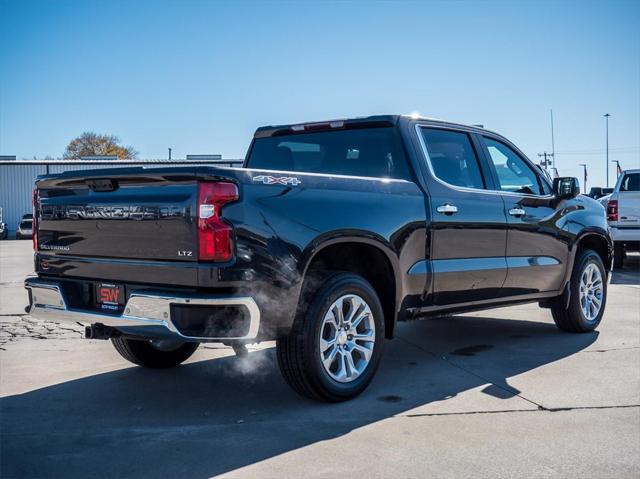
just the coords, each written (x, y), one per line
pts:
(277, 180)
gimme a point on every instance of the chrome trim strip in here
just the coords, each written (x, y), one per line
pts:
(527, 261)
(465, 189)
(144, 308)
(419, 268)
(459, 265)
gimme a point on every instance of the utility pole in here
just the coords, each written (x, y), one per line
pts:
(546, 162)
(606, 118)
(584, 167)
(169, 153)
(553, 146)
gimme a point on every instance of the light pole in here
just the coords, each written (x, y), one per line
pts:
(584, 168)
(606, 119)
(553, 145)
(618, 168)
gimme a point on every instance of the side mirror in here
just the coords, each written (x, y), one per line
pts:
(566, 187)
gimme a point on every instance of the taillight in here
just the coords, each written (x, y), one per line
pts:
(215, 236)
(612, 210)
(34, 222)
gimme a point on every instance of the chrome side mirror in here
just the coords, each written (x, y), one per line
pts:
(566, 187)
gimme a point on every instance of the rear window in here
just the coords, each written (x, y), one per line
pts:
(374, 152)
(630, 182)
(26, 224)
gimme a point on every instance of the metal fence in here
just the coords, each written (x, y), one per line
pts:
(17, 179)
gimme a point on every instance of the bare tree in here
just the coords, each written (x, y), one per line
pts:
(93, 144)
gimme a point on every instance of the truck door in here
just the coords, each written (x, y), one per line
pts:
(468, 229)
(536, 251)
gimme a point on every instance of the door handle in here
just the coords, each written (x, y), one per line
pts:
(517, 212)
(447, 209)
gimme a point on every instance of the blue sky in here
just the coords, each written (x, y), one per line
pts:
(200, 76)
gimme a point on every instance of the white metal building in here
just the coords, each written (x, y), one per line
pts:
(17, 179)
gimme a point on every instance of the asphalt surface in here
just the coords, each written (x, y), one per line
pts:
(501, 393)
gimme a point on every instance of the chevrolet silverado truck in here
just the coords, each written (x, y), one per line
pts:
(329, 234)
(623, 215)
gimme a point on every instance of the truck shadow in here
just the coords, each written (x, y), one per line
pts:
(214, 416)
(629, 273)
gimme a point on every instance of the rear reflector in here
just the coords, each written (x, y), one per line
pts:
(215, 236)
(612, 210)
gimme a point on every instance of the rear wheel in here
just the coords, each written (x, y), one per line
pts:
(588, 295)
(154, 353)
(335, 345)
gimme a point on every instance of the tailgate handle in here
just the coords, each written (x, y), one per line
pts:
(103, 185)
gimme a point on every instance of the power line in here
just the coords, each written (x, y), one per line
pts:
(596, 151)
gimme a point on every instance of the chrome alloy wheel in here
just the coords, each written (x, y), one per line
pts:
(347, 338)
(591, 292)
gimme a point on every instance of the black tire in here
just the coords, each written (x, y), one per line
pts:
(572, 318)
(298, 354)
(618, 255)
(144, 353)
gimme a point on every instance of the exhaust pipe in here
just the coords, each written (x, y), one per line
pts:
(100, 331)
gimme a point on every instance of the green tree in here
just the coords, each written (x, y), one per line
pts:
(93, 144)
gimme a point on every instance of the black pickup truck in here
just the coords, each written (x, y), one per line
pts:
(329, 234)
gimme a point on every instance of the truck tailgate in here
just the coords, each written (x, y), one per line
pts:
(140, 214)
(629, 209)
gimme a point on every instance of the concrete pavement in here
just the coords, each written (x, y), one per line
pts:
(499, 393)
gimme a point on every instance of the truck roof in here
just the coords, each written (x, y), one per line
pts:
(348, 123)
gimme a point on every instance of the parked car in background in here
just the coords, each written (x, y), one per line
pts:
(623, 215)
(25, 229)
(597, 192)
(329, 234)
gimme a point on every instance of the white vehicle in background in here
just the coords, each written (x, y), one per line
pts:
(623, 215)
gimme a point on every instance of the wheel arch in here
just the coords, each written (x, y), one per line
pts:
(595, 239)
(369, 257)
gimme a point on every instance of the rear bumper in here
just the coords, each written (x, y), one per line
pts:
(147, 313)
(625, 234)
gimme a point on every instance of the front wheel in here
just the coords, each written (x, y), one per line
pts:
(334, 347)
(588, 295)
(154, 353)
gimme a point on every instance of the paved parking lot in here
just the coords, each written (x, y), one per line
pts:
(500, 393)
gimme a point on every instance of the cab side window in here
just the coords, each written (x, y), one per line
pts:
(514, 174)
(453, 158)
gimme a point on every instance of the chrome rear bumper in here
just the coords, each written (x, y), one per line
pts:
(146, 314)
